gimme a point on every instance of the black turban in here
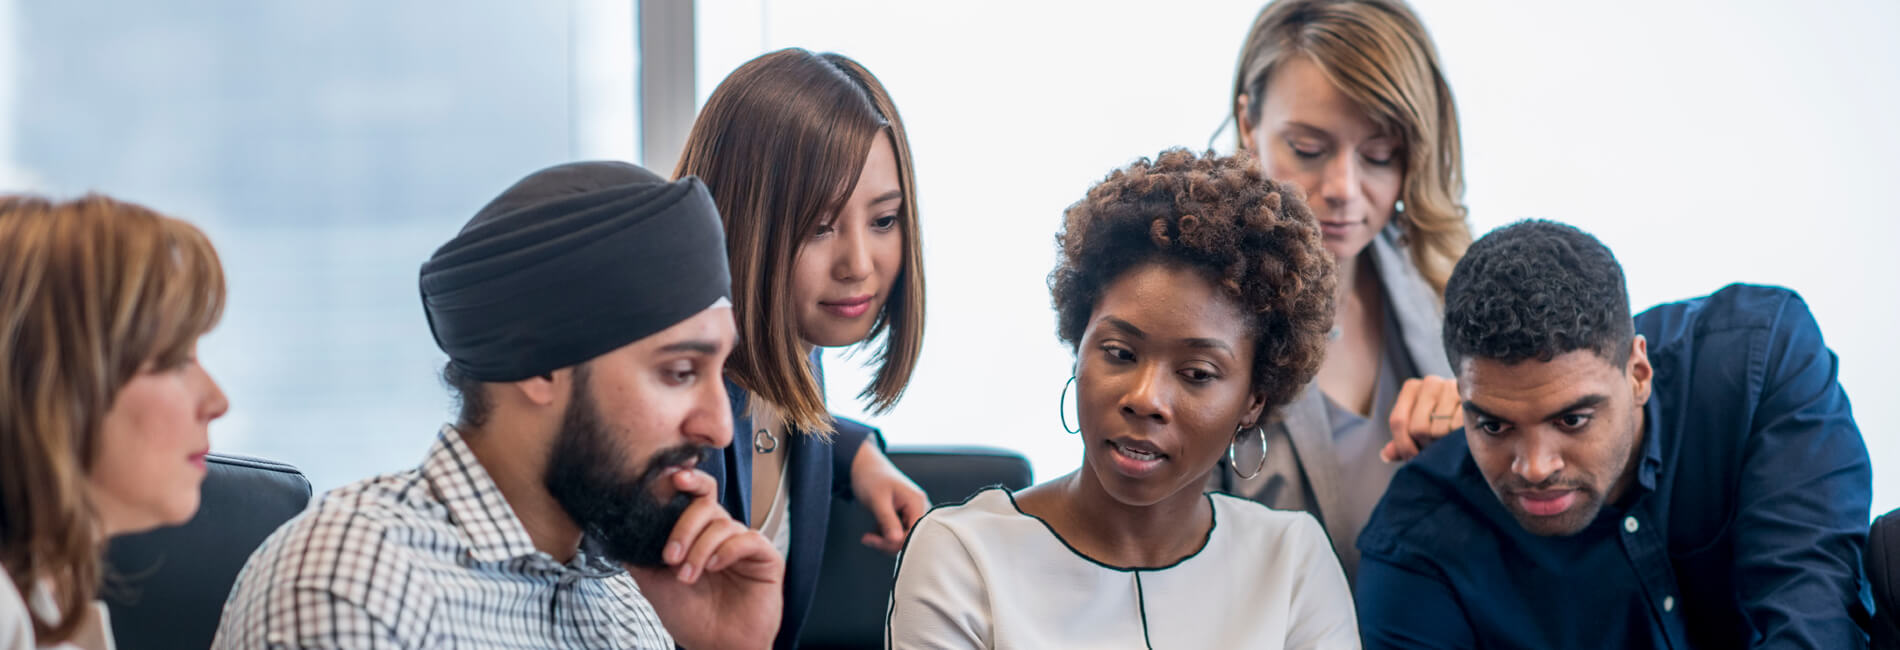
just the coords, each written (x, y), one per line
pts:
(572, 262)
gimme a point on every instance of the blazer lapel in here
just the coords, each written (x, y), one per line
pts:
(1418, 308)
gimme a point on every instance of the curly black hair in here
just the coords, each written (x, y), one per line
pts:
(1253, 237)
(1537, 289)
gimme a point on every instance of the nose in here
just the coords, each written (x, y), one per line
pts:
(710, 422)
(215, 404)
(1147, 398)
(854, 255)
(1338, 180)
(1539, 457)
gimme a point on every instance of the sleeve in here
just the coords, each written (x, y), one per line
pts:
(16, 625)
(1805, 494)
(1322, 610)
(1400, 607)
(848, 438)
(940, 601)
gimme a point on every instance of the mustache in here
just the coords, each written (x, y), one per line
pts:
(1514, 483)
(686, 456)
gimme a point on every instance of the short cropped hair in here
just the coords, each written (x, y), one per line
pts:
(1252, 237)
(1537, 289)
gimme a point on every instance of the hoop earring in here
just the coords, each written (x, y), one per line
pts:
(1062, 408)
(1235, 464)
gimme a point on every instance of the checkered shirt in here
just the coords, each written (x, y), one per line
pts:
(428, 558)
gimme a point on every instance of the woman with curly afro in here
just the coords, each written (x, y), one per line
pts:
(1197, 296)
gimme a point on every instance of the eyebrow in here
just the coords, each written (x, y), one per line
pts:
(1196, 342)
(892, 195)
(701, 347)
(1584, 402)
(1125, 326)
(1215, 344)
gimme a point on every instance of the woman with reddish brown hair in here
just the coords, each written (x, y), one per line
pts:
(1346, 100)
(103, 405)
(809, 165)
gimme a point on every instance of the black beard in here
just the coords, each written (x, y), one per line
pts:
(624, 516)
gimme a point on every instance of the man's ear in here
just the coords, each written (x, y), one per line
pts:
(1639, 370)
(544, 389)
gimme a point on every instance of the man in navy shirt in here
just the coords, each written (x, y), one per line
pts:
(1689, 478)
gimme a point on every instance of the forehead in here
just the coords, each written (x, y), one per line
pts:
(1533, 389)
(712, 326)
(879, 175)
(1298, 90)
(1171, 302)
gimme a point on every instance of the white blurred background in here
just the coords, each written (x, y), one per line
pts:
(329, 147)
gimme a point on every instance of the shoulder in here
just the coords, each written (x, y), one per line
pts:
(1734, 307)
(16, 622)
(1428, 504)
(985, 509)
(383, 521)
(1276, 532)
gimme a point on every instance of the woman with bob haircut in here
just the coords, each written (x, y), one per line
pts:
(808, 163)
(1345, 100)
(103, 407)
(1196, 296)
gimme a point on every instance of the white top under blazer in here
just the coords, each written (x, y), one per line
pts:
(985, 575)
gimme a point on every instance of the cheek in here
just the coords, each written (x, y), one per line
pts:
(810, 272)
(889, 258)
(1382, 188)
(145, 443)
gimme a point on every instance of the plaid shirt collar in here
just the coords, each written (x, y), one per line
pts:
(478, 509)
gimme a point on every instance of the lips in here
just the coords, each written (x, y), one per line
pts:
(1338, 228)
(852, 307)
(1546, 503)
(198, 459)
(1136, 458)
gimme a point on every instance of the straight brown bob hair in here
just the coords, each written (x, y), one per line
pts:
(780, 144)
(90, 291)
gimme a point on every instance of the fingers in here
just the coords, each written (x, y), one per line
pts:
(702, 513)
(1404, 419)
(750, 555)
(701, 552)
(890, 528)
(1427, 409)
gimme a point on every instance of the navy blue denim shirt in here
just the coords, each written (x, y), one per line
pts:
(818, 470)
(1744, 527)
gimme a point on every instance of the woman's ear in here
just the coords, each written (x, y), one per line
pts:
(1244, 125)
(1256, 410)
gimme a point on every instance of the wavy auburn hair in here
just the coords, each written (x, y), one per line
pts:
(91, 290)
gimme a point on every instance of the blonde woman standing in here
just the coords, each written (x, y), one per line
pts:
(1345, 99)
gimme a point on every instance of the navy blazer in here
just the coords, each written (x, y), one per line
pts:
(1743, 528)
(818, 470)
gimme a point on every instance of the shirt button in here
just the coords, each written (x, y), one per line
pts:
(1669, 603)
(1629, 524)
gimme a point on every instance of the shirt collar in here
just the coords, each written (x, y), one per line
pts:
(476, 506)
(1651, 462)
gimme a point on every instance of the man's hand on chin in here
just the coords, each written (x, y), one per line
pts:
(722, 586)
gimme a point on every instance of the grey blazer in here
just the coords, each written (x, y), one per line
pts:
(1302, 471)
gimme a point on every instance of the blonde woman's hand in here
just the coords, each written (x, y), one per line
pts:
(1426, 410)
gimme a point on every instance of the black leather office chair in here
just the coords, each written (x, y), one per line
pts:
(166, 588)
(1883, 570)
(855, 587)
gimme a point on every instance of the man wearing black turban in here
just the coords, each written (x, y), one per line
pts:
(586, 317)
